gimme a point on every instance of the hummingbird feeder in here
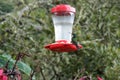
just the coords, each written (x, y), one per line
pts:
(63, 17)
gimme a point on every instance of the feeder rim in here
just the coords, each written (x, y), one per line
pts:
(62, 8)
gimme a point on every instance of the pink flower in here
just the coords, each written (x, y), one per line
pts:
(99, 78)
(18, 76)
(1, 72)
(2, 75)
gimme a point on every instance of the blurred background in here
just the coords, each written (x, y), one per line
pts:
(26, 27)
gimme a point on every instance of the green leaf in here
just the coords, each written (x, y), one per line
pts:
(21, 65)
(24, 67)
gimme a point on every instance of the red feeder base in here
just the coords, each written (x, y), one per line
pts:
(62, 46)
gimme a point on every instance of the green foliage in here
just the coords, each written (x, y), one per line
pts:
(5, 8)
(21, 65)
(96, 24)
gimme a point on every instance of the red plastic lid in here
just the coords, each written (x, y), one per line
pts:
(62, 8)
(62, 46)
